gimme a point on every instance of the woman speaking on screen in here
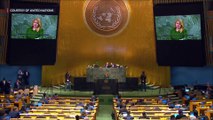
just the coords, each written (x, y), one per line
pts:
(178, 32)
(35, 31)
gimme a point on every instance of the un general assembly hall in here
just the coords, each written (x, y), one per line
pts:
(106, 60)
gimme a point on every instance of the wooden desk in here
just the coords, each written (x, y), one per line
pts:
(26, 99)
(195, 103)
(64, 105)
(49, 115)
(7, 105)
(152, 113)
(209, 113)
(19, 104)
(202, 110)
(3, 98)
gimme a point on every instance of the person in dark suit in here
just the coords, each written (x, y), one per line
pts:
(128, 117)
(14, 113)
(5, 86)
(203, 116)
(67, 81)
(17, 85)
(26, 76)
(144, 116)
(77, 117)
(123, 110)
(20, 74)
(180, 115)
(143, 81)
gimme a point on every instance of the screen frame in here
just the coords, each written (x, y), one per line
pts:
(30, 51)
(32, 5)
(11, 24)
(180, 52)
(200, 32)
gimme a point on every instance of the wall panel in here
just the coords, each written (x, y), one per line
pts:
(4, 5)
(210, 37)
(79, 47)
(176, 1)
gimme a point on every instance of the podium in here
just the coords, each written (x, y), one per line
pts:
(94, 74)
(106, 86)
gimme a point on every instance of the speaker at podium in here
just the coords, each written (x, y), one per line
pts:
(106, 86)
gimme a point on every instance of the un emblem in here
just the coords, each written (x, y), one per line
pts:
(106, 17)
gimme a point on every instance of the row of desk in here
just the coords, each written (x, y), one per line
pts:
(61, 108)
(13, 102)
(151, 107)
(202, 106)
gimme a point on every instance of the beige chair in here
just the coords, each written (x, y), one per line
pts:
(35, 90)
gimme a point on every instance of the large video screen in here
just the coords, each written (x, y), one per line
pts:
(32, 33)
(178, 27)
(179, 33)
(33, 26)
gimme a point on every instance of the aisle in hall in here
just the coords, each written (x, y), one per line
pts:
(104, 112)
(105, 107)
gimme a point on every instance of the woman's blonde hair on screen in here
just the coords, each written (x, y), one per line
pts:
(181, 23)
(39, 23)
